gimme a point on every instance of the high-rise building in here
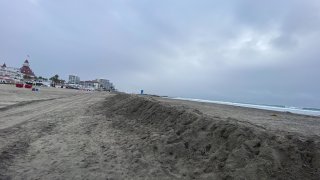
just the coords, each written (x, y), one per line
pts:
(73, 79)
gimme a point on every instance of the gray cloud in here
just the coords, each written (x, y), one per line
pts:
(245, 51)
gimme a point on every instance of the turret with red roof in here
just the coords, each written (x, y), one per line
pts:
(25, 69)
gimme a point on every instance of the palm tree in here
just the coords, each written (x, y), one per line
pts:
(55, 78)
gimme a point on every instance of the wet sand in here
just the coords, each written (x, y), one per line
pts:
(69, 134)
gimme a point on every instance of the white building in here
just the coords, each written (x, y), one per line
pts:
(104, 84)
(10, 74)
(90, 85)
(73, 79)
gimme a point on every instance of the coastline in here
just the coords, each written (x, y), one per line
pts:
(266, 118)
(278, 108)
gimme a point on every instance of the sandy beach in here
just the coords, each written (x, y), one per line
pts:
(70, 134)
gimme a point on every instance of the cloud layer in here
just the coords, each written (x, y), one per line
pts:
(240, 50)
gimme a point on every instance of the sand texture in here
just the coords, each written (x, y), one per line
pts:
(68, 134)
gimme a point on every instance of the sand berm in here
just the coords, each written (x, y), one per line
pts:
(193, 145)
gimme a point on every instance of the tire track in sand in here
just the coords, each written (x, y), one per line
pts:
(34, 111)
(18, 136)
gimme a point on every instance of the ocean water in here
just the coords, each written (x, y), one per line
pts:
(296, 110)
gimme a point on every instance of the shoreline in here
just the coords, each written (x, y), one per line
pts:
(272, 120)
(279, 108)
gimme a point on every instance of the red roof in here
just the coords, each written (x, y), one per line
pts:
(26, 69)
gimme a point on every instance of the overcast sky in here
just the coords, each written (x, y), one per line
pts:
(252, 51)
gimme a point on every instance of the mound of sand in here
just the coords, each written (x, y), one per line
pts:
(189, 144)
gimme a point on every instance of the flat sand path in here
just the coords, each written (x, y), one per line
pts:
(42, 138)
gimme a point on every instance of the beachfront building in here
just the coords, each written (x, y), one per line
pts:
(112, 88)
(98, 84)
(14, 75)
(10, 74)
(73, 79)
(26, 70)
(92, 85)
(104, 84)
